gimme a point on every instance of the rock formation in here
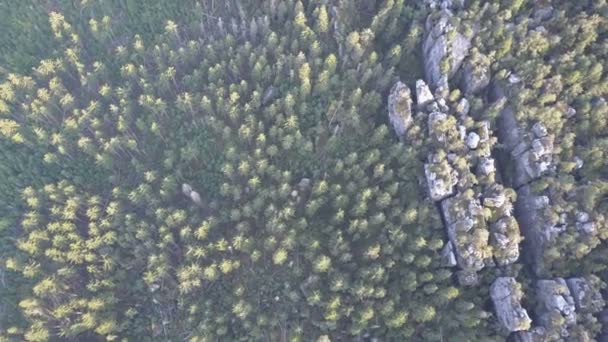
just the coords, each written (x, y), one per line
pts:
(506, 295)
(555, 301)
(400, 108)
(441, 46)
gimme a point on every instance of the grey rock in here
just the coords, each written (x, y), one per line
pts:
(543, 13)
(579, 162)
(438, 46)
(448, 258)
(400, 108)
(467, 230)
(495, 201)
(536, 334)
(268, 95)
(467, 278)
(186, 189)
(554, 298)
(570, 113)
(586, 228)
(462, 131)
(486, 166)
(505, 239)
(441, 179)
(196, 198)
(536, 228)
(514, 79)
(443, 105)
(304, 184)
(463, 107)
(539, 130)
(587, 297)
(506, 295)
(424, 97)
(435, 119)
(475, 76)
(582, 217)
(472, 140)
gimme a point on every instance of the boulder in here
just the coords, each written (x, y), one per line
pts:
(505, 238)
(472, 140)
(506, 296)
(463, 107)
(196, 198)
(539, 130)
(448, 258)
(533, 160)
(435, 121)
(486, 166)
(438, 45)
(424, 97)
(186, 189)
(466, 228)
(467, 278)
(400, 108)
(441, 179)
(475, 75)
(554, 299)
(537, 229)
(304, 184)
(536, 334)
(587, 296)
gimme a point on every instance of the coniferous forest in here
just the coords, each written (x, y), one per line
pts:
(304, 170)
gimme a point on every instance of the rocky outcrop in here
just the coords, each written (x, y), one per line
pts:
(475, 73)
(400, 108)
(536, 334)
(506, 295)
(556, 309)
(193, 195)
(424, 97)
(448, 257)
(467, 231)
(443, 44)
(441, 178)
(587, 296)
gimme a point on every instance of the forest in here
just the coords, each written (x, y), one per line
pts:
(304, 170)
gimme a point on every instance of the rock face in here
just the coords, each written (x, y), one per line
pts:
(441, 178)
(505, 239)
(448, 258)
(555, 300)
(467, 278)
(400, 108)
(424, 97)
(466, 230)
(587, 297)
(536, 334)
(475, 74)
(186, 189)
(438, 45)
(533, 157)
(506, 296)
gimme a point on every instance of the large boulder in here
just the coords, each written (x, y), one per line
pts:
(505, 238)
(448, 258)
(555, 300)
(475, 73)
(440, 44)
(587, 296)
(441, 178)
(506, 295)
(536, 334)
(400, 108)
(424, 97)
(467, 230)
